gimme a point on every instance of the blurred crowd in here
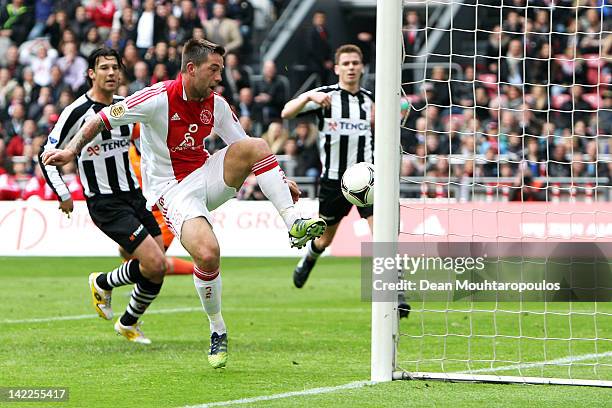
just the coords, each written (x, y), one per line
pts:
(537, 102)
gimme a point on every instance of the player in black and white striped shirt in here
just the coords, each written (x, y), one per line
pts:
(345, 113)
(114, 198)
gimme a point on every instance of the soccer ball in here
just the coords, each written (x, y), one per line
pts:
(358, 184)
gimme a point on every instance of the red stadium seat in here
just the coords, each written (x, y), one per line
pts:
(489, 81)
(593, 99)
(593, 63)
(559, 100)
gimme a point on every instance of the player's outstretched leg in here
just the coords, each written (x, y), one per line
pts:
(305, 265)
(254, 155)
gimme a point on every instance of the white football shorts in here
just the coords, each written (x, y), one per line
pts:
(197, 194)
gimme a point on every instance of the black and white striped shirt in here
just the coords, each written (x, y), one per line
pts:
(345, 134)
(104, 166)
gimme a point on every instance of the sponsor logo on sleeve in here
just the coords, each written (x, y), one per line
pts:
(52, 140)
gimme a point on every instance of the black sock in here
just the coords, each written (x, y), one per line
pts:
(126, 274)
(143, 294)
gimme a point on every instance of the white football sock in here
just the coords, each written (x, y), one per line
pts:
(210, 296)
(312, 253)
(271, 180)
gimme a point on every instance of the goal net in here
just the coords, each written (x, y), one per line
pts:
(505, 131)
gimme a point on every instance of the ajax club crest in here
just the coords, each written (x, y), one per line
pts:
(206, 116)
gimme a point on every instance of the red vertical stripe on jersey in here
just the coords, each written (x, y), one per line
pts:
(189, 123)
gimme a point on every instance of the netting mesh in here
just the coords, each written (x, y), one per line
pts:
(506, 125)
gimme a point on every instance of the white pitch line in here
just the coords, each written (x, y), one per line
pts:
(525, 366)
(312, 391)
(186, 310)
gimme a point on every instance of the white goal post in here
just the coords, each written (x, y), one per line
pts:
(559, 343)
(388, 78)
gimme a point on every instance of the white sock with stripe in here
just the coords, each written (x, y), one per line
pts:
(208, 286)
(273, 184)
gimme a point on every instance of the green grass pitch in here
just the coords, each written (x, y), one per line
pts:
(280, 340)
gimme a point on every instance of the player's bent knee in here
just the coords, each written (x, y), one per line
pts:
(207, 264)
(154, 268)
(260, 147)
(207, 259)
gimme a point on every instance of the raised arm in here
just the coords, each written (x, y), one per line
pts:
(88, 131)
(306, 102)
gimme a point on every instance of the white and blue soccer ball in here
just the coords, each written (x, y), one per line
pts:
(358, 184)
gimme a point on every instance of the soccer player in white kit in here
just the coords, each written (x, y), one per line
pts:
(184, 180)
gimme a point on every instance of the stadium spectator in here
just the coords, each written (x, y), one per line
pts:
(318, 51)
(559, 166)
(16, 21)
(243, 12)
(11, 61)
(223, 30)
(150, 27)
(141, 77)
(36, 106)
(533, 157)
(101, 12)
(127, 25)
(57, 84)
(235, 77)
(17, 116)
(57, 24)
(115, 41)
(175, 34)
(66, 98)
(511, 66)
(81, 23)
(160, 73)
(513, 25)
(160, 56)
(48, 118)
(91, 42)
(270, 94)
(263, 18)
(308, 163)
(11, 184)
(495, 43)
(72, 66)
(41, 64)
(130, 58)
(525, 188)
(276, 136)
(462, 91)
(204, 10)
(189, 17)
